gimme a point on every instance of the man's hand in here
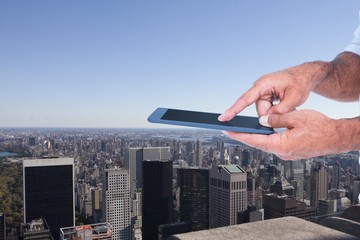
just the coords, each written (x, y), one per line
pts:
(291, 87)
(308, 134)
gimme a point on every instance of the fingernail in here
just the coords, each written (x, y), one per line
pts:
(264, 121)
(221, 117)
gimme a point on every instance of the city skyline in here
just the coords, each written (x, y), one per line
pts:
(232, 178)
(110, 64)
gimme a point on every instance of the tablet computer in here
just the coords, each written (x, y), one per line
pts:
(208, 120)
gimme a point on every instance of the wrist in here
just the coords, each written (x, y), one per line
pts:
(348, 131)
(318, 71)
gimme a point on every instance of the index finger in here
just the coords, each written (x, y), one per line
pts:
(248, 98)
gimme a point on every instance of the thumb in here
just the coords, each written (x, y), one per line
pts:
(278, 120)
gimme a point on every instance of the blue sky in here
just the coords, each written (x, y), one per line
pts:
(111, 63)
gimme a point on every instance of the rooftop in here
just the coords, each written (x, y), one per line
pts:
(232, 168)
(334, 228)
(275, 229)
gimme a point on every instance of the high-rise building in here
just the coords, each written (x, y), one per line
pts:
(319, 184)
(136, 215)
(2, 227)
(199, 153)
(335, 175)
(49, 192)
(356, 191)
(227, 194)
(297, 179)
(251, 190)
(281, 187)
(244, 158)
(116, 202)
(99, 231)
(96, 202)
(281, 206)
(134, 158)
(157, 200)
(194, 197)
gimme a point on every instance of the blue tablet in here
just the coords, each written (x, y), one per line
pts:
(208, 120)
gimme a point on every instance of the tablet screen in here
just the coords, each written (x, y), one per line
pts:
(210, 118)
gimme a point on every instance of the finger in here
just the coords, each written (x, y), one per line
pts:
(262, 107)
(287, 120)
(284, 106)
(267, 143)
(248, 98)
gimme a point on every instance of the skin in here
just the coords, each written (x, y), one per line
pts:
(307, 133)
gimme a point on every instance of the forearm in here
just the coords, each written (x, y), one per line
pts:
(338, 79)
(348, 131)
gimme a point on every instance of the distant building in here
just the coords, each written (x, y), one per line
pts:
(335, 175)
(2, 227)
(251, 214)
(116, 202)
(319, 184)
(157, 205)
(134, 158)
(251, 190)
(282, 187)
(133, 162)
(49, 192)
(136, 215)
(199, 153)
(194, 197)
(99, 231)
(227, 194)
(297, 179)
(96, 202)
(326, 207)
(356, 191)
(281, 206)
(32, 141)
(244, 158)
(37, 229)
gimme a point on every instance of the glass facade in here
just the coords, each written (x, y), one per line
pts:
(49, 194)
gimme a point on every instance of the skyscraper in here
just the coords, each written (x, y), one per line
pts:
(319, 184)
(134, 158)
(116, 202)
(157, 197)
(194, 197)
(297, 179)
(335, 175)
(356, 191)
(227, 194)
(96, 202)
(133, 162)
(199, 153)
(136, 215)
(2, 227)
(49, 192)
